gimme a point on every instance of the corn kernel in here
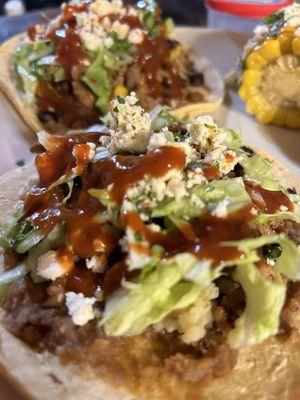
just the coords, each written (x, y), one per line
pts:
(285, 41)
(270, 49)
(251, 77)
(296, 46)
(120, 90)
(254, 104)
(293, 118)
(279, 118)
(255, 61)
(265, 113)
(246, 92)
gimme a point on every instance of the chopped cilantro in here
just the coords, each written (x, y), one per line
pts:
(121, 100)
(272, 251)
(138, 236)
(209, 126)
(275, 17)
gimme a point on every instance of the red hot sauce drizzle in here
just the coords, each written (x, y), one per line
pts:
(202, 237)
(154, 53)
(69, 50)
(268, 201)
(123, 171)
(88, 236)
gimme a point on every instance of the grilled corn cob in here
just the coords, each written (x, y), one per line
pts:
(270, 70)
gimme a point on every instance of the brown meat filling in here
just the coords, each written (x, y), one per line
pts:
(37, 315)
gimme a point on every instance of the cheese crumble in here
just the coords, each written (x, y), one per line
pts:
(50, 267)
(80, 308)
(95, 24)
(132, 127)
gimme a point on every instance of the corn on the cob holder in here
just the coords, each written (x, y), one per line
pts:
(270, 81)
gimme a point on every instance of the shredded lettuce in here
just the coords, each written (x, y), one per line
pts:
(96, 78)
(163, 118)
(258, 169)
(264, 301)
(234, 139)
(289, 261)
(24, 61)
(19, 236)
(52, 241)
(138, 305)
(7, 277)
(211, 195)
(9, 229)
(120, 46)
(278, 216)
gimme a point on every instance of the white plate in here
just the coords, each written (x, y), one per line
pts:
(223, 49)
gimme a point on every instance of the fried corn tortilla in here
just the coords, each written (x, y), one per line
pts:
(268, 371)
(8, 84)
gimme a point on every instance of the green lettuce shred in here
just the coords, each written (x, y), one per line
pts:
(264, 301)
(138, 305)
(96, 78)
(258, 169)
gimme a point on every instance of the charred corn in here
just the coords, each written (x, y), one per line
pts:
(270, 70)
(120, 90)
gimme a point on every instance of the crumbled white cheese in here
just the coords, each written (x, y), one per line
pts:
(166, 138)
(83, 154)
(254, 211)
(95, 26)
(80, 308)
(132, 11)
(192, 321)
(97, 263)
(50, 267)
(271, 262)
(202, 131)
(294, 21)
(292, 14)
(133, 125)
(108, 42)
(221, 210)
(137, 248)
(121, 30)
(283, 208)
(175, 187)
(195, 177)
(106, 7)
(91, 32)
(136, 36)
(158, 187)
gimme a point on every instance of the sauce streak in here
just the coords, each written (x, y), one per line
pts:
(43, 208)
(202, 237)
(53, 164)
(267, 201)
(123, 171)
(153, 54)
(82, 280)
(211, 172)
(69, 50)
(88, 235)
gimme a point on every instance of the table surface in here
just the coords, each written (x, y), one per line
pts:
(222, 48)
